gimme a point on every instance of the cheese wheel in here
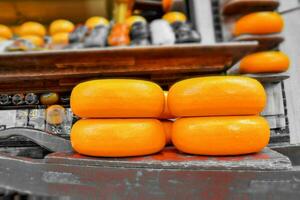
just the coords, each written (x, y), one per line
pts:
(61, 26)
(117, 137)
(221, 135)
(166, 114)
(117, 98)
(172, 17)
(216, 96)
(167, 124)
(60, 38)
(32, 28)
(265, 62)
(5, 32)
(259, 23)
(96, 21)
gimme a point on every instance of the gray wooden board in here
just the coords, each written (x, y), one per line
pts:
(170, 158)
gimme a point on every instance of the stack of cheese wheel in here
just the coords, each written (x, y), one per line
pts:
(119, 118)
(265, 62)
(218, 115)
(167, 120)
(33, 32)
(59, 31)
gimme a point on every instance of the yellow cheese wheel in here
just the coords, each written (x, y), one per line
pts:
(32, 28)
(96, 21)
(265, 62)
(117, 98)
(167, 124)
(117, 137)
(60, 38)
(216, 96)
(5, 32)
(61, 26)
(221, 135)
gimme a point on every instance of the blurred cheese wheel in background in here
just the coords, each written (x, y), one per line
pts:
(167, 4)
(265, 62)
(34, 39)
(118, 137)
(167, 124)
(134, 19)
(2, 39)
(172, 17)
(259, 23)
(216, 96)
(221, 135)
(119, 35)
(117, 98)
(55, 114)
(166, 112)
(96, 21)
(60, 38)
(5, 32)
(16, 29)
(61, 26)
(49, 98)
(32, 28)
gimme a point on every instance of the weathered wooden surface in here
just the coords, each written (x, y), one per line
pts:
(290, 47)
(266, 42)
(170, 158)
(90, 181)
(246, 6)
(60, 70)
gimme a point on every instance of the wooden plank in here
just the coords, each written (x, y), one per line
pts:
(170, 158)
(290, 47)
(266, 42)
(230, 7)
(40, 71)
